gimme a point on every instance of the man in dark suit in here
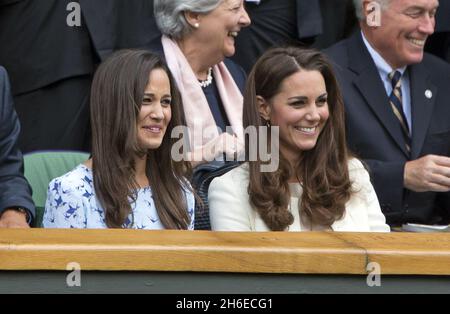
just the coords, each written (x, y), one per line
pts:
(51, 62)
(398, 108)
(276, 22)
(16, 205)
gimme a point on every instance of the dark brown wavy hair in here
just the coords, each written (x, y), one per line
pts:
(116, 99)
(322, 170)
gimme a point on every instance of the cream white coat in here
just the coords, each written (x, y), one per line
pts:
(230, 208)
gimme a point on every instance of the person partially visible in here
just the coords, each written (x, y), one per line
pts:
(318, 185)
(16, 205)
(51, 66)
(397, 108)
(338, 22)
(53, 48)
(131, 180)
(274, 23)
(439, 42)
(198, 38)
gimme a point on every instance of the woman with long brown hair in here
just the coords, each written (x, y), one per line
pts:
(131, 180)
(317, 185)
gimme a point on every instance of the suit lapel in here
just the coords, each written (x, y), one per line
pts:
(423, 95)
(371, 87)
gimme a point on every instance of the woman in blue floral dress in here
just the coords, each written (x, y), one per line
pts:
(132, 181)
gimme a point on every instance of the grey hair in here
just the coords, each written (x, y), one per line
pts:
(169, 14)
(359, 7)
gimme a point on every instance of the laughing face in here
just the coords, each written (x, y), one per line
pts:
(405, 26)
(300, 110)
(155, 113)
(220, 27)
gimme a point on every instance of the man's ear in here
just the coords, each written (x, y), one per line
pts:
(192, 18)
(264, 108)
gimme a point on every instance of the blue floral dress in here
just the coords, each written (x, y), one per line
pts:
(71, 203)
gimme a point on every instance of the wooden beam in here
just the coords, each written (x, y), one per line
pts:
(205, 251)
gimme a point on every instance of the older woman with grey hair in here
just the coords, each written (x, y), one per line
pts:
(198, 37)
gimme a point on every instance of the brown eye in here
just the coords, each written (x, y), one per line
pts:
(322, 101)
(166, 102)
(299, 103)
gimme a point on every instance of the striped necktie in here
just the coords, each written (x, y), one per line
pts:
(395, 100)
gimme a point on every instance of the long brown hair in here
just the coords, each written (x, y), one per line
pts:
(116, 99)
(323, 169)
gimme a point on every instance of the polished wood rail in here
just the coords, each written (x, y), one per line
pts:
(204, 251)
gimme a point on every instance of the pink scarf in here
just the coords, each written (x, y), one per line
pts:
(196, 108)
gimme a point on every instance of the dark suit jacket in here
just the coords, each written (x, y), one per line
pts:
(443, 16)
(38, 48)
(118, 24)
(14, 189)
(338, 22)
(374, 134)
(443, 29)
(439, 42)
(276, 22)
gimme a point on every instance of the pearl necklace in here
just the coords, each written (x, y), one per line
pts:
(208, 81)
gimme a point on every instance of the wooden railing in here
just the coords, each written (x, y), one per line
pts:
(203, 251)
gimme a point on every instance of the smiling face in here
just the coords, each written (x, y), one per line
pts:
(405, 26)
(155, 113)
(219, 28)
(300, 110)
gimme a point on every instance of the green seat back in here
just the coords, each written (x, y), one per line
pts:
(41, 167)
